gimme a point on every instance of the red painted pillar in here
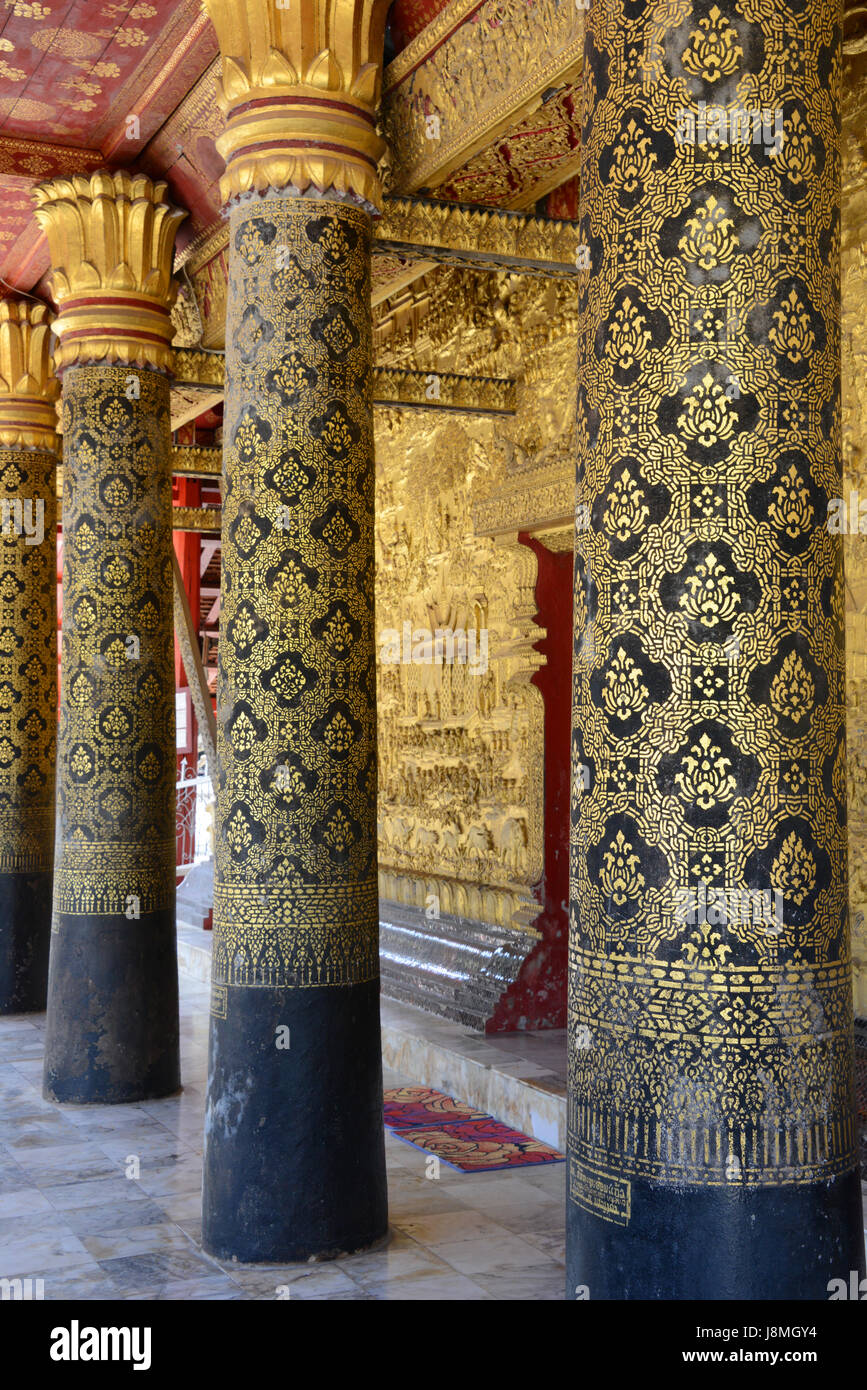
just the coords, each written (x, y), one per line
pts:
(187, 492)
(537, 999)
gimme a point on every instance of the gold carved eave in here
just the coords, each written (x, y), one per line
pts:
(192, 461)
(204, 520)
(198, 368)
(477, 238)
(540, 500)
(412, 236)
(473, 395)
(460, 84)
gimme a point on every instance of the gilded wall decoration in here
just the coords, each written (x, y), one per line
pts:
(461, 741)
(709, 732)
(295, 899)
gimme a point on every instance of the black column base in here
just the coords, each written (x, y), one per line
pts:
(294, 1165)
(112, 1033)
(25, 931)
(686, 1243)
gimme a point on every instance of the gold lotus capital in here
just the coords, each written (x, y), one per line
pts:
(28, 386)
(111, 239)
(300, 86)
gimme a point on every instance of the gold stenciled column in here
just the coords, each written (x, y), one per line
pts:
(112, 1031)
(712, 1144)
(294, 1159)
(29, 446)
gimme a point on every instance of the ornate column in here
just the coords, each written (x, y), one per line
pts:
(112, 1030)
(29, 446)
(294, 1156)
(712, 1143)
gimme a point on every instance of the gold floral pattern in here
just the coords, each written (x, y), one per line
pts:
(793, 689)
(794, 870)
(713, 50)
(622, 879)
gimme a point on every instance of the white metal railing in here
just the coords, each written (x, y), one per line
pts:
(195, 812)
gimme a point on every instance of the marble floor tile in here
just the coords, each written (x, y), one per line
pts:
(430, 1288)
(183, 1176)
(66, 1163)
(401, 1256)
(22, 1257)
(130, 1241)
(218, 1288)
(24, 1203)
(34, 1223)
(302, 1281)
(535, 1283)
(490, 1254)
(449, 1226)
(153, 1270)
(76, 1281)
(116, 1217)
(96, 1192)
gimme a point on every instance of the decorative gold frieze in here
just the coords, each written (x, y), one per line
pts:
(203, 519)
(193, 461)
(543, 498)
(194, 366)
(476, 395)
(300, 86)
(28, 386)
(111, 239)
(477, 238)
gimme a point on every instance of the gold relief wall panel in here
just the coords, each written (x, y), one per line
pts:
(460, 744)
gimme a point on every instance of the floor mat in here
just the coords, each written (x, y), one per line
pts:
(463, 1138)
(407, 1107)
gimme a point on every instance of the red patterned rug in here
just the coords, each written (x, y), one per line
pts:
(459, 1136)
(407, 1107)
